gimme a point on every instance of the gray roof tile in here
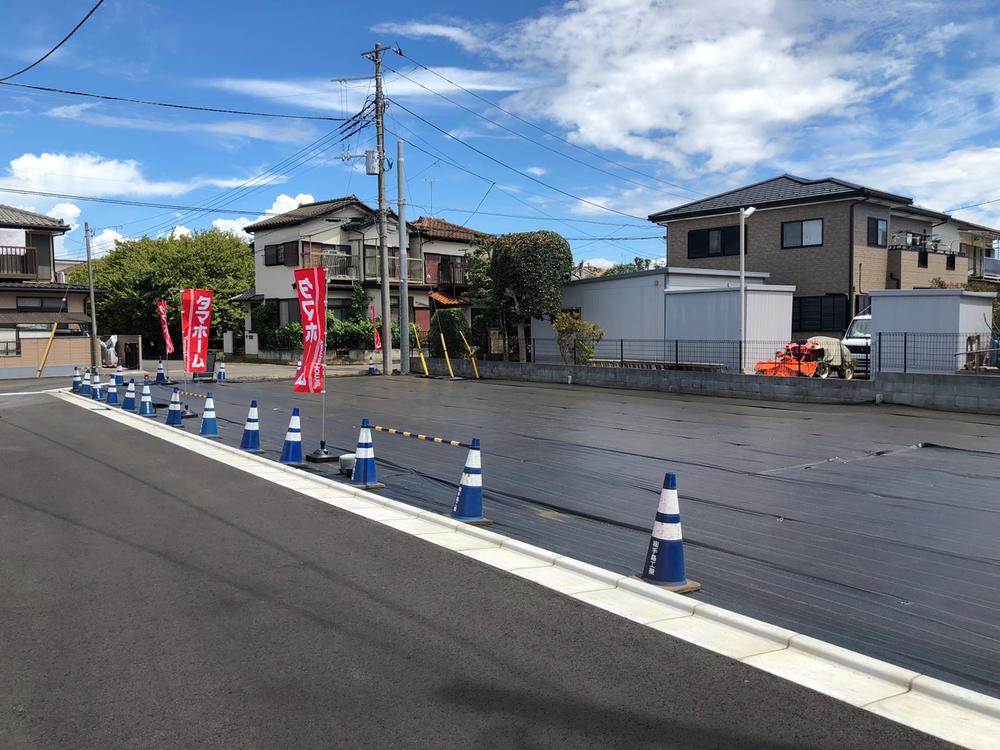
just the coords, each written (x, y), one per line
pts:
(305, 212)
(18, 218)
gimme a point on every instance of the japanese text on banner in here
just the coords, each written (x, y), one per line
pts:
(196, 317)
(310, 283)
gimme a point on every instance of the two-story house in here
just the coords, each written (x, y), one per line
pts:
(342, 235)
(833, 240)
(32, 299)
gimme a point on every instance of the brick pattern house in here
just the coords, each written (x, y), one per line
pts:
(833, 240)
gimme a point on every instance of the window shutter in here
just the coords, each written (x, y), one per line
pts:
(270, 252)
(291, 254)
(698, 243)
(872, 232)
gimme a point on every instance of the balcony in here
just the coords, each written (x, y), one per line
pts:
(18, 262)
(342, 267)
(450, 274)
(991, 269)
(415, 269)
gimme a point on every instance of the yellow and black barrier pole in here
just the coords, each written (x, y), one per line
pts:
(472, 355)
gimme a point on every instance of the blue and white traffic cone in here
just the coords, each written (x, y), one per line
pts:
(372, 370)
(363, 474)
(96, 390)
(85, 384)
(161, 376)
(222, 372)
(291, 451)
(209, 424)
(251, 431)
(112, 394)
(174, 411)
(469, 500)
(119, 376)
(76, 380)
(128, 404)
(146, 408)
(665, 558)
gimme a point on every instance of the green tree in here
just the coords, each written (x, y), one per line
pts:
(481, 292)
(637, 264)
(577, 338)
(357, 311)
(138, 272)
(528, 271)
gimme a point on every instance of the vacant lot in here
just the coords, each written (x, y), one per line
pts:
(875, 528)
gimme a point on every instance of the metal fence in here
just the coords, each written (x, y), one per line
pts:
(935, 352)
(663, 354)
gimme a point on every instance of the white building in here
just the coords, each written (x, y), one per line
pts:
(342, 235)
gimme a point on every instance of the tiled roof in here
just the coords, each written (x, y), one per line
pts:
(45, 286)
(18, 218)
(15, 318)
(776, 191)
(439, 229)
(250, 295)
(305, 212)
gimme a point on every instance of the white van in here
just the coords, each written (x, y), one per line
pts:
(859, 340)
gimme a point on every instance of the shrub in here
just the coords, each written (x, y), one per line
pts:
(577, 338)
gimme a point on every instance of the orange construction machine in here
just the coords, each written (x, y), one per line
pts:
(815, 357)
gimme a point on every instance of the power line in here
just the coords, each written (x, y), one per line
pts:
(153, 103)
(505, 165)
(973, 205)
(480, 204)
(62, 41)
(543, 130)
(537, 142)
(116, 201)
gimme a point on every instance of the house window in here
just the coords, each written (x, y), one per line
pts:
(288, 311)
(10, 343)
(286, 254)
(713, 243)
(807, 233)
(949, 263)
(820, 313)
(922, 259)
(878, 232)
(339, 307)
(40, 304)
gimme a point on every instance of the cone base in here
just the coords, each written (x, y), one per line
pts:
(678, 588)
(319, 456)
(211, 437)
(255, 451)
(473, 521)
(375, 486)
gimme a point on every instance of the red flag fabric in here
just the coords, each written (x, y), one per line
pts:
(378, 339)
(161, 308)
(310, 283)
(196, 317)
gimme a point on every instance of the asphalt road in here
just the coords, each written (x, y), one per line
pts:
(874, 528)
(152, 598)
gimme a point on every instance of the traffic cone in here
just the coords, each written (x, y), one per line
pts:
(665, 558)
(85, 384)
(209, 424)
(96, 392)
(112, 394)
(251, 431)
(372, 370)
(298, 365)
(363, 474)
(76, 380)
(469, 500)
(174, 410)
(291, 451)
(119, 376)
(161, 377)
(222, 372)
(128, 404)
(146, 408)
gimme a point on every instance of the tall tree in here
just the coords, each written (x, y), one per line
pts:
(528, 271)
(138, 272)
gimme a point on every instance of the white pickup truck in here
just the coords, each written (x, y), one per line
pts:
(858, 340)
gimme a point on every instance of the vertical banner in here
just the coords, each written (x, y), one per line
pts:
(196, 317)
(378, 339)
(161, 308)
(310, 283)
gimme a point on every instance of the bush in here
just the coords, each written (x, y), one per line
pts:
(288, 336)
(577, 338)
(452, 323)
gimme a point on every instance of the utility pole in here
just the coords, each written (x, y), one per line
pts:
(375, 55)
(94, 359)
(404, 266)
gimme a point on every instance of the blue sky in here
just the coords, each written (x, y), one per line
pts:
(649, 104)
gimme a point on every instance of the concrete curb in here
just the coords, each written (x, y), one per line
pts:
(949, 712)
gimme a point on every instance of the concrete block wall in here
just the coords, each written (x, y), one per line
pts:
(970, 393)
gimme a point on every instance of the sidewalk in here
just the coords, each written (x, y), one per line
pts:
(171, 599)
(246, 372)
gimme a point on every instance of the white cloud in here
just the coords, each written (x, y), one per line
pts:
(104, 241)
(537, 171)
(460, 35)
(179, 231)
(282, 204)
(603, 263)
(92, 174)
(69, 213)
(283, 132)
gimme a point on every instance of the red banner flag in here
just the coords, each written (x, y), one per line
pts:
(378, 339)
(310, 283)
(161, 308)
(196, 317)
